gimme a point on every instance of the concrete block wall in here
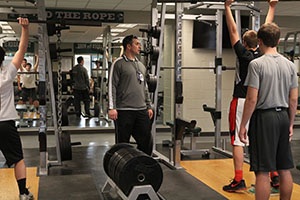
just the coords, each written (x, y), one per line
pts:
(199, 85)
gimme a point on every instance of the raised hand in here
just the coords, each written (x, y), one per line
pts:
(273, 3)
(24, 22)
(228, 2)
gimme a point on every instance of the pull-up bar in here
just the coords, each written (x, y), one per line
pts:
(220, 5)
(196, 1)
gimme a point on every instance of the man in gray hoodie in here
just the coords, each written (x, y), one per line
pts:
(129, 102)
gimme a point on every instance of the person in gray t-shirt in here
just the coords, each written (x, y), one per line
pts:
(271, 103)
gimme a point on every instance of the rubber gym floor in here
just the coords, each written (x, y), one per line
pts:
(83, 177)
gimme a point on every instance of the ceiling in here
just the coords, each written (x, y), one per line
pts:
(287, 15)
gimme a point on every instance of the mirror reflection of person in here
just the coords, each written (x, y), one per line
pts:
(96, 80)
(28, 88)
(81, 87)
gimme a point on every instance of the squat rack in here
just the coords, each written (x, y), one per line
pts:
(174, 161)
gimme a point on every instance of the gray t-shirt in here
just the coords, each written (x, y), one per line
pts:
(274, 76)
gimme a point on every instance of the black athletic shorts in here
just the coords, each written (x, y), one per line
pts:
(10, 142)
(269, 140)
(28, 93)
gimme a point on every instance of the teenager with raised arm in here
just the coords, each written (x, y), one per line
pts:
(246, 51)
(10, 143)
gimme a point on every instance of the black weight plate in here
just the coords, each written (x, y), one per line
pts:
(115, 159)
(96, 110)
(111, 151)
(133, 154)
(64, 118)
(65, 146)
(140, 170)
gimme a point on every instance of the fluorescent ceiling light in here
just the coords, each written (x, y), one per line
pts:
(3, 23)
(8, 31)
(118, 30)
(7, 27)
(126, 25)
(114, 34)
(99, 38)
(97, 41)
(168, 4)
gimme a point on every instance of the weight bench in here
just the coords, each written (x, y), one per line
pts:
(189, 129)
(21, 108)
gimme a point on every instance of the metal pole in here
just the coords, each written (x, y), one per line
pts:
(219, 23)
(43, 169)
(177, 78)
(103, 110)
(159, 61)
(255, 18)
(238, 22)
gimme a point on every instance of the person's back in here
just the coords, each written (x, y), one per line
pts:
(276, 73)
(79, 77)
(81, 87)
(7, 76)
(244, 56)
(271, 103)
(246, 50)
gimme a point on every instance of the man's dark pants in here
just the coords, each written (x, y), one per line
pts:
(137, 124)
(81, 95)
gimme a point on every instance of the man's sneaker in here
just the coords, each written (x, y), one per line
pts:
(275, 181)
(235, 186)
(28, 196)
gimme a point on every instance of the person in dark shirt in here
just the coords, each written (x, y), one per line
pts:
(81, 87)
(246, 51)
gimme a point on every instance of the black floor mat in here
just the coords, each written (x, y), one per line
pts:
(75, 187)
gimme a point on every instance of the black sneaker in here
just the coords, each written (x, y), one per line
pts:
(235, 186)
(275, 181)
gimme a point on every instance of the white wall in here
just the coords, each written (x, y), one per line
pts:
(199, 85)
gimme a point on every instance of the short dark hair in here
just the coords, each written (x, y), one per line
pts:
(269, 33)
(2, 55)
(79, 59)
(128, 40)
(25, 60)
(28, 65)
(250, 37)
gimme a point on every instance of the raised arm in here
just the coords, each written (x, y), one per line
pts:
(36, 63)
(233, 33)
(271, 12)
(19, 56)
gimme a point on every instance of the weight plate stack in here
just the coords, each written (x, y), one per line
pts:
(137, 168)
(110, 153)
